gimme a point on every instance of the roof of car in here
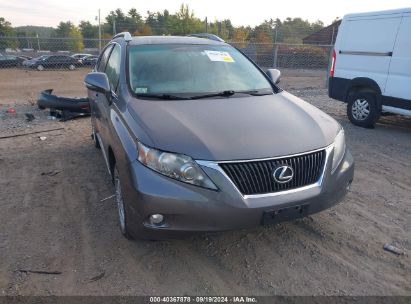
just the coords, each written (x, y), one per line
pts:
(171, 40)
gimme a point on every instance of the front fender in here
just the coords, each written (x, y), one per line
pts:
(125, 147)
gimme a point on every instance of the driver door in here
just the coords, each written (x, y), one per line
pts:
(112, 70)
(97, 99)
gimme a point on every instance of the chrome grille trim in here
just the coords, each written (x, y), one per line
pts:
(216, 166)
(251, 180)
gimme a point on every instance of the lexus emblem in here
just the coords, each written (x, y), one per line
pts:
(283, 174)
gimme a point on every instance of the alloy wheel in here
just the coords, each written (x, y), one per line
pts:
(360, 109)
(120, 202)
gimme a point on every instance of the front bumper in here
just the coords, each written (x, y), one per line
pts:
(189, 208)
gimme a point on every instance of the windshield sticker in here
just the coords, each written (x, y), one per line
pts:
(219, 56)
(140, 90)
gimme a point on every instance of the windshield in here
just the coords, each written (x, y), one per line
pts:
(192, 69)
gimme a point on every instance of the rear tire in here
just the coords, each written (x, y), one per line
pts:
(40, 68)
(72, 67)
(121, 205)
(362, 109)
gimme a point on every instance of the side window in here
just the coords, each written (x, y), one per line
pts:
(113, 67)
(103, 59)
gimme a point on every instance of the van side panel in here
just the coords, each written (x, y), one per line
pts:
(364, 49)
(399, 78)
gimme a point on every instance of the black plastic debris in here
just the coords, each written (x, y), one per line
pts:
(29, 116)
(74, 105)
(63, 108)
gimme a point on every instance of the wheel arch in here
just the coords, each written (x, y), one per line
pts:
(364, 84)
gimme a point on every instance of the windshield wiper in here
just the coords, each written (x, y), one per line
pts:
(229, 93)
(223, 93)
(163, 96)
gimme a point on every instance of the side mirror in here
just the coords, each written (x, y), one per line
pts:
(97, 81)
(274, 75)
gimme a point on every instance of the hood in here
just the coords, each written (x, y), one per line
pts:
(235, 128)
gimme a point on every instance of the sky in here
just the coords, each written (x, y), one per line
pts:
(51, 12)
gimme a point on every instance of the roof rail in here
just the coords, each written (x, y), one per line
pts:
(207, 36)
(125, 35)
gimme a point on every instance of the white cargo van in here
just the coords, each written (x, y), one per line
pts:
(371, 66)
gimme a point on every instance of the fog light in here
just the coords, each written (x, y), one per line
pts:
(156, 219)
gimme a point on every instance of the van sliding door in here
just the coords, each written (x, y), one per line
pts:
(399, 78)
(367, 50)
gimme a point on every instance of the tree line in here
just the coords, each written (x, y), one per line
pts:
(182, 22)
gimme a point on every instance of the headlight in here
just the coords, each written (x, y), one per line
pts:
(339, 149)
(177, 166)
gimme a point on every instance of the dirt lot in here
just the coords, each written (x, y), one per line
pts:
(52, 219)
(19, 86)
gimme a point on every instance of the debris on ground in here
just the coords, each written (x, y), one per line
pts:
(29, 133)
(38, 271)
(42, 138)
(50, 173)
(11, 111)
(98, 277)
(29, 116)
(65, 115)
(393, 249)
(63, 108)
(50, 101)
(107, 198)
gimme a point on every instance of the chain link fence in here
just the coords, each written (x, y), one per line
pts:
(26, 63)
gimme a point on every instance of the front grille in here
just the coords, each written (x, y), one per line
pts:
(256, 177)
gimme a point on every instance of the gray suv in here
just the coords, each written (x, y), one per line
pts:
(198, 138)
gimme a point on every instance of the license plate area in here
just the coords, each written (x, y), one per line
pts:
(284, 214)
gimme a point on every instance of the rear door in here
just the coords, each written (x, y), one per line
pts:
(399, 78)
(366, 47)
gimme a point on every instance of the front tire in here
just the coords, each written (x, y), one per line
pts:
(94, 136)
(121, 205)
(40, 68)
(362, 109)
(72, 67)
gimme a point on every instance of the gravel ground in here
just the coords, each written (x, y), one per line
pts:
(52, 219)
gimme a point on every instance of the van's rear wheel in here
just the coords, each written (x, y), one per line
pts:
(362, 109)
